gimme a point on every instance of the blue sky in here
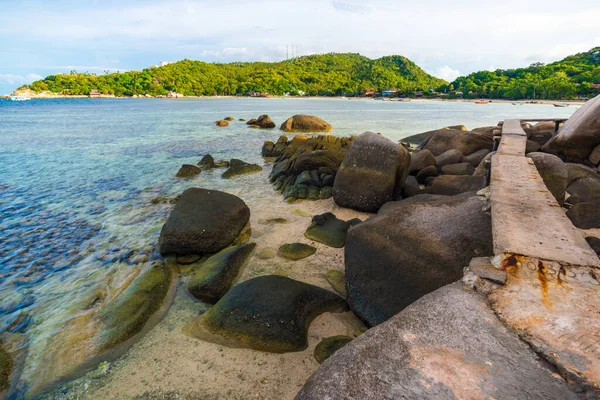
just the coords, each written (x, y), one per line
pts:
(446, 38)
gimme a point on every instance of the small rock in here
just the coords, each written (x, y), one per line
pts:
(239, 167)
(419, 160)
(296, 251)
(207, 162)
(337, 280)
(265, 254)
(330, 345)
(229, 118)
(594, 243)
(458, 169)
(427, 172)
(489, 272)
(328, 229)
(222, 123)
(187, 171)
(270, 221)
(452, 156)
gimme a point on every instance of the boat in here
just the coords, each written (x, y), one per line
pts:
(481, 102)
(517, 104)
(561, 105)
(19, 97)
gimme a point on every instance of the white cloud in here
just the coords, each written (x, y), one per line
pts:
(18, 80)
(447, 73)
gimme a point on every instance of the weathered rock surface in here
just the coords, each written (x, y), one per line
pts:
(6, 367)
(207, 162)
(554, 173)
(229, 118)
(328, 346)
(458, 169)
(465, 142)
(451, 156)
(585, 215)
(372, 169)
(447, 345)
(425, 173)
(239, 167)
(203, 221)
(187, 171)
(337, 280)
(296, 251)
(214, 277)
(264, 121)
(594, 243)
(329, 230)
(577, 171)
(579, 135)
(222, 123)
(587, 188)
(594, 156)
(269, 313)
(540, 133)
(477, 157)
(398, 256)
(411, 187)
(419, 160)
(450, 185)
(305, 123)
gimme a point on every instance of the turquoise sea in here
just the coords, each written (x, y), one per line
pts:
(78, 176)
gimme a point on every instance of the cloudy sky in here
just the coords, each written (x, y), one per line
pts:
(446, 38)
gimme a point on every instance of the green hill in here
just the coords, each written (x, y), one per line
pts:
(324, 74)
(571, 77)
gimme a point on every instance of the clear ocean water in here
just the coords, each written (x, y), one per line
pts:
(77, 179)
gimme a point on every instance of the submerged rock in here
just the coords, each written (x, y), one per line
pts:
(329, 230)
(214, 277)
(203, 221)
(6, 367)
(373, 170)
(207, 162)
(305, 123)
(239, 167)
(296, 251)
(412, 249)
(187, 171)
(447, 345)
(330, 345)
(269, 313)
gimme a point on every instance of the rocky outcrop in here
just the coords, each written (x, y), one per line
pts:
(373, 170)
(239, 167)
(214, 277)
(399, 256)
(554, 173)
(269, 313)
(447, 345)
(329, 230)
(306, 166)
(579, 135)
(296, 251)
(187, 171)
(203, 221)
(305, 123)
(264, 121)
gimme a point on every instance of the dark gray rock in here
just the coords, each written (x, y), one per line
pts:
(328, 346)
(214, 277)
(585, 215)
(554, 173)
(532, 146)
(203, 221)
(578, 171)
(402, 254)
(372, 169)
(425, 173)
(477, 157)
(419, 160)
(594, 243)
(296, 251)
(482, 169)
(207, 162)
(458, 169)
(269, 313)
(187, 171)
(447, 345)
(594, 156)
(411, 187)
(239, 167)
(588, 188)
(449, 157)
(465, 142)
(264, 121)
(451, 185)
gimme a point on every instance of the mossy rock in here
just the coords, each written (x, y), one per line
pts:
(269, 221)
(242, 119)
(296, 251)
(239, 167)
(329, 230)
(268, 313)
(187, 171)
(337, 280)
(215, 276)
(265, 254)
(6, 367)
(330, 345)
(127, 315)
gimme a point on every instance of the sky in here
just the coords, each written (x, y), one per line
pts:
(447, 38)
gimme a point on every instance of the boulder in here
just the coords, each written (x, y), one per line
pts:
(419, 160)
(203, 221)
(269, 313)
(585, 215)
(447, 345)
(328, 346)
(6, 367)
(229, 118)
(411, 187)
(578, 171)
(305, 123)
(264, 121)
(420, 138)
(251, 121)
(449, 157)
(540, 133)
(395, 258)
(425, 173)
(187, 171)
(554, 173)
(532, 146)
(337, 280)
(458, 169)
(329, 230)
(221, 164)
(222, 123)
(587, 188)
(477, 157)
(594, 243)
(594, 156)
(207, 162)
(239, 167)
(371, 170)
(296, 251)
(214, 277)
(465, 142)
(579, 135)
(482, 168)
(451, 185)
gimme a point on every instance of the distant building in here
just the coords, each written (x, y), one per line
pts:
(388, 92)
(369, 92)
(595, 86)
(163, 63)
(94, 93)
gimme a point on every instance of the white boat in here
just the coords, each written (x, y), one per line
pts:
(19, 97)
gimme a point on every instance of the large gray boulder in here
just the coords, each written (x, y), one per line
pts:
(579, 135)
(447, 345)
(203, 221)
(413, 249)
(372, 170)
(465, 142)
(554, 173)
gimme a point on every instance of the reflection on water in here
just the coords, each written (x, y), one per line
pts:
(77, 180)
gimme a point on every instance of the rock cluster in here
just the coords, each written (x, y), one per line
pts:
(264, 121)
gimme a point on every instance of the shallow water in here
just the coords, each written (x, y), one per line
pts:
(77, 177)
